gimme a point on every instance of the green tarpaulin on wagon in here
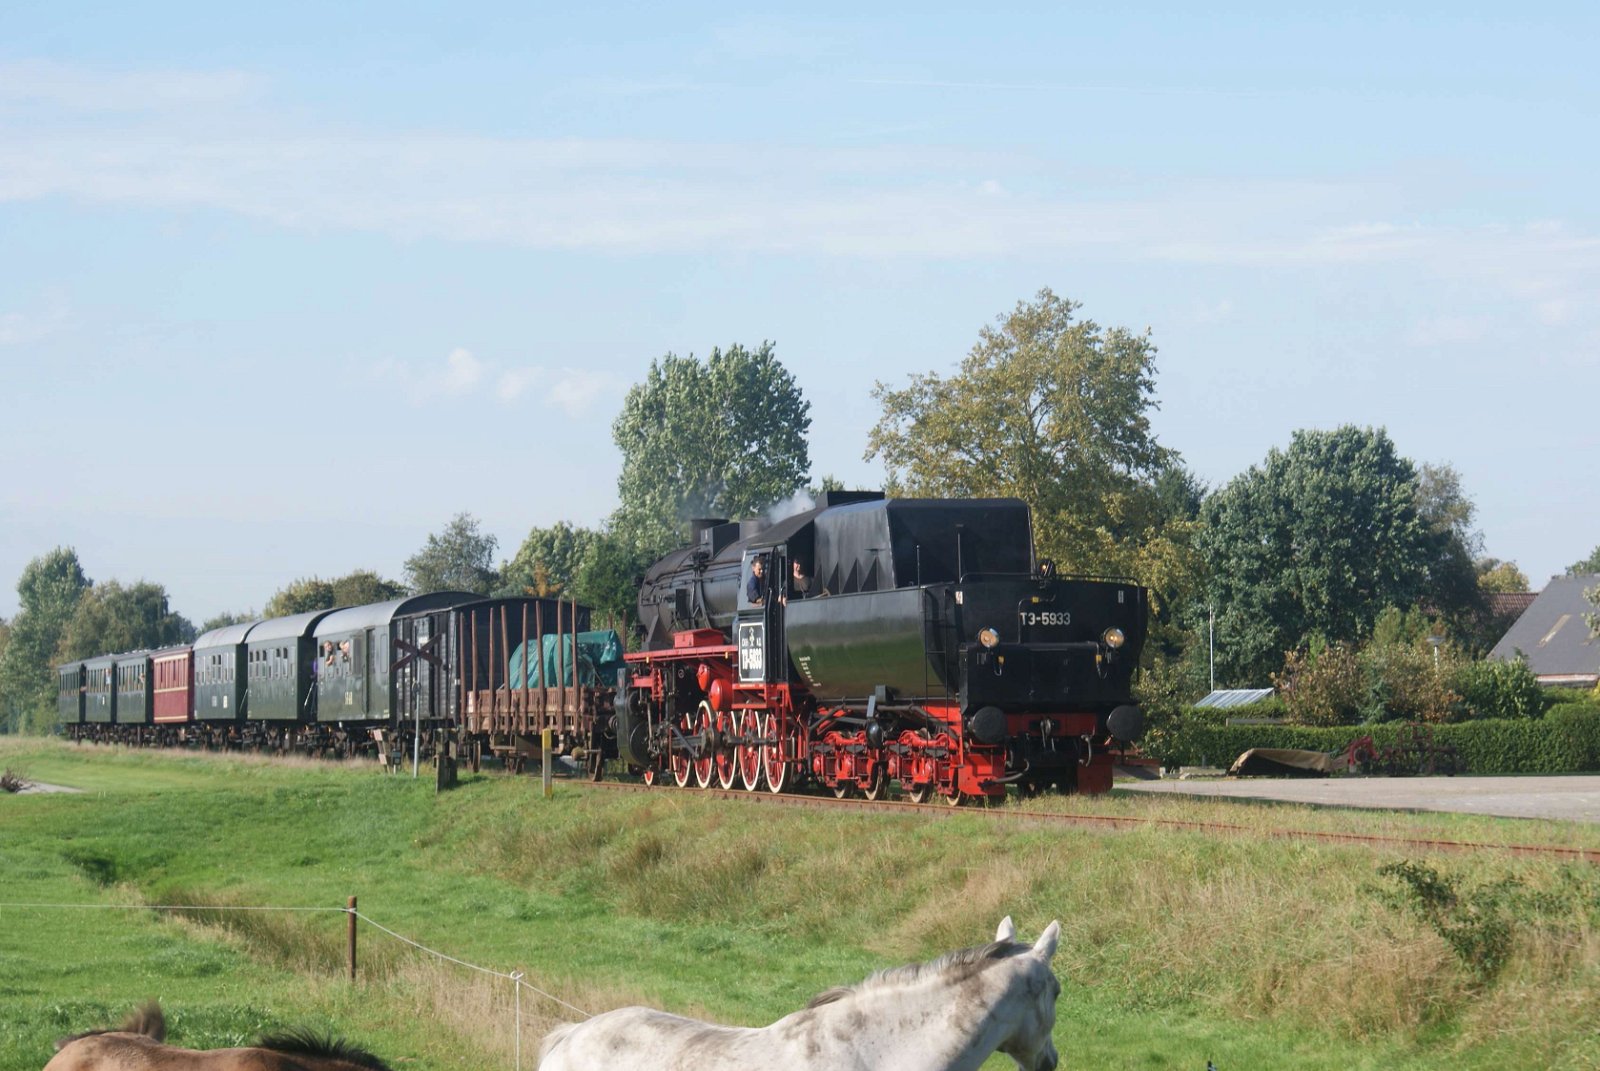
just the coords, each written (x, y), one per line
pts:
(599, 658)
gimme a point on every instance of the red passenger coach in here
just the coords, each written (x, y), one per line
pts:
(173, 677)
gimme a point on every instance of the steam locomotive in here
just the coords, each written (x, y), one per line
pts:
(870, 640)
(862, 642)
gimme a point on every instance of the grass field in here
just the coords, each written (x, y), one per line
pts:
(1177, 947)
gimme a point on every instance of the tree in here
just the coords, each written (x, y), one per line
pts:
(364, 586)
(111, 618)
(726, 438)
(548, 561)
(1496, 577)
(48, 592)
(299, 597)
(460, 558)
(1316, 542)
(1055, 411)
(225, 619)
(1452, 585)
(1585, 566)
(608, 576)
(1045, 408)
(310, 593)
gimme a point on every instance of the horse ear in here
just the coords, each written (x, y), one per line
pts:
(1045, 947)
(1007, 930)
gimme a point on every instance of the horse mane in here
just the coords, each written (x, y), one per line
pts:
(304, 1042)
(966, 961)
(147, 1019)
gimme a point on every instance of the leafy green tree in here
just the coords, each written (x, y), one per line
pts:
(726, 438)
(1315, 542)
(1452, 586)
(300, 597)
(1585, 566)
(48, 593)
(224, 619)
(1053, 410)
(310, 593)
(460, 558)
(548, 561)
(364, 586)
(111, 618)
(607, 578)
(1496, 577)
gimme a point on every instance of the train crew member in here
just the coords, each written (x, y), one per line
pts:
(755, 589)
(801, 586)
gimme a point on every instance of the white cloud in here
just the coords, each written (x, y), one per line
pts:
(463, 375)
(463, 372)
(684, 198)
(577, 392)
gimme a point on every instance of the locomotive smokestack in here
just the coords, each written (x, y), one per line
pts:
(699, 526)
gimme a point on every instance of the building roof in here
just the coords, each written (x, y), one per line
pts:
(1553, 634)
(1234, 697)
(1512, 604)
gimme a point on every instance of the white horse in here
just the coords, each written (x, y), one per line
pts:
(947, 1015)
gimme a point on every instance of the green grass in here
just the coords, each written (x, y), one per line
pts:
(1178, 947)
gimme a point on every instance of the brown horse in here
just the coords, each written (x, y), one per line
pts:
(137, 1046)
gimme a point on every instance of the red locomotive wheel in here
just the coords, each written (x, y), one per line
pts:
(704, 763)
(747, 724)
(772, 762)
(682, 767)
(920, 793)
(877, 784)
(727, 766)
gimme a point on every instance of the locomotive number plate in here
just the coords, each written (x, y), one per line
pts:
(752, 651)
(1045, 618)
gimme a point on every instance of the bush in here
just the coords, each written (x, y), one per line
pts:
(1495, 689)
(1325, 687)
(1567, 740)
(1408, 683)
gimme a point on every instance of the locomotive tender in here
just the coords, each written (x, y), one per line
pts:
(871, 640)
(862, 642)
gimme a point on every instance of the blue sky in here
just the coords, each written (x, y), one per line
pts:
(282, 290)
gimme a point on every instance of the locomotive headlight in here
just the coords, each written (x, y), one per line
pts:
(1113, 638)
(988, 637)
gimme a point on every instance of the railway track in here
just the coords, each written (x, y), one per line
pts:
(933, 811)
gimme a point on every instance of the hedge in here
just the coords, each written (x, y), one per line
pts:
(1566, 740)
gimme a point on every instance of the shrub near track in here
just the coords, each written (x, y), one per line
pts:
(1565, 740)
(1178, 947)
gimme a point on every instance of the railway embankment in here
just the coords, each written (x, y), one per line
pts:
(1179, 944)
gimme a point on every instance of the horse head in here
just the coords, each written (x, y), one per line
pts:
(1034, 990)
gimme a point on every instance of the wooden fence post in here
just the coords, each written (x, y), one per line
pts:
(351, 916)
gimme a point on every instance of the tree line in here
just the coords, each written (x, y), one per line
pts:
(1317, 546)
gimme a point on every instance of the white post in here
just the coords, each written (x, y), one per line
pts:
(416, 739)
(1211, 620)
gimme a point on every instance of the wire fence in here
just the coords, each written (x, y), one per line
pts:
(518, 979)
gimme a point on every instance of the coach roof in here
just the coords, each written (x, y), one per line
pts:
(379, 614)
(289, 628)
(226, 636)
